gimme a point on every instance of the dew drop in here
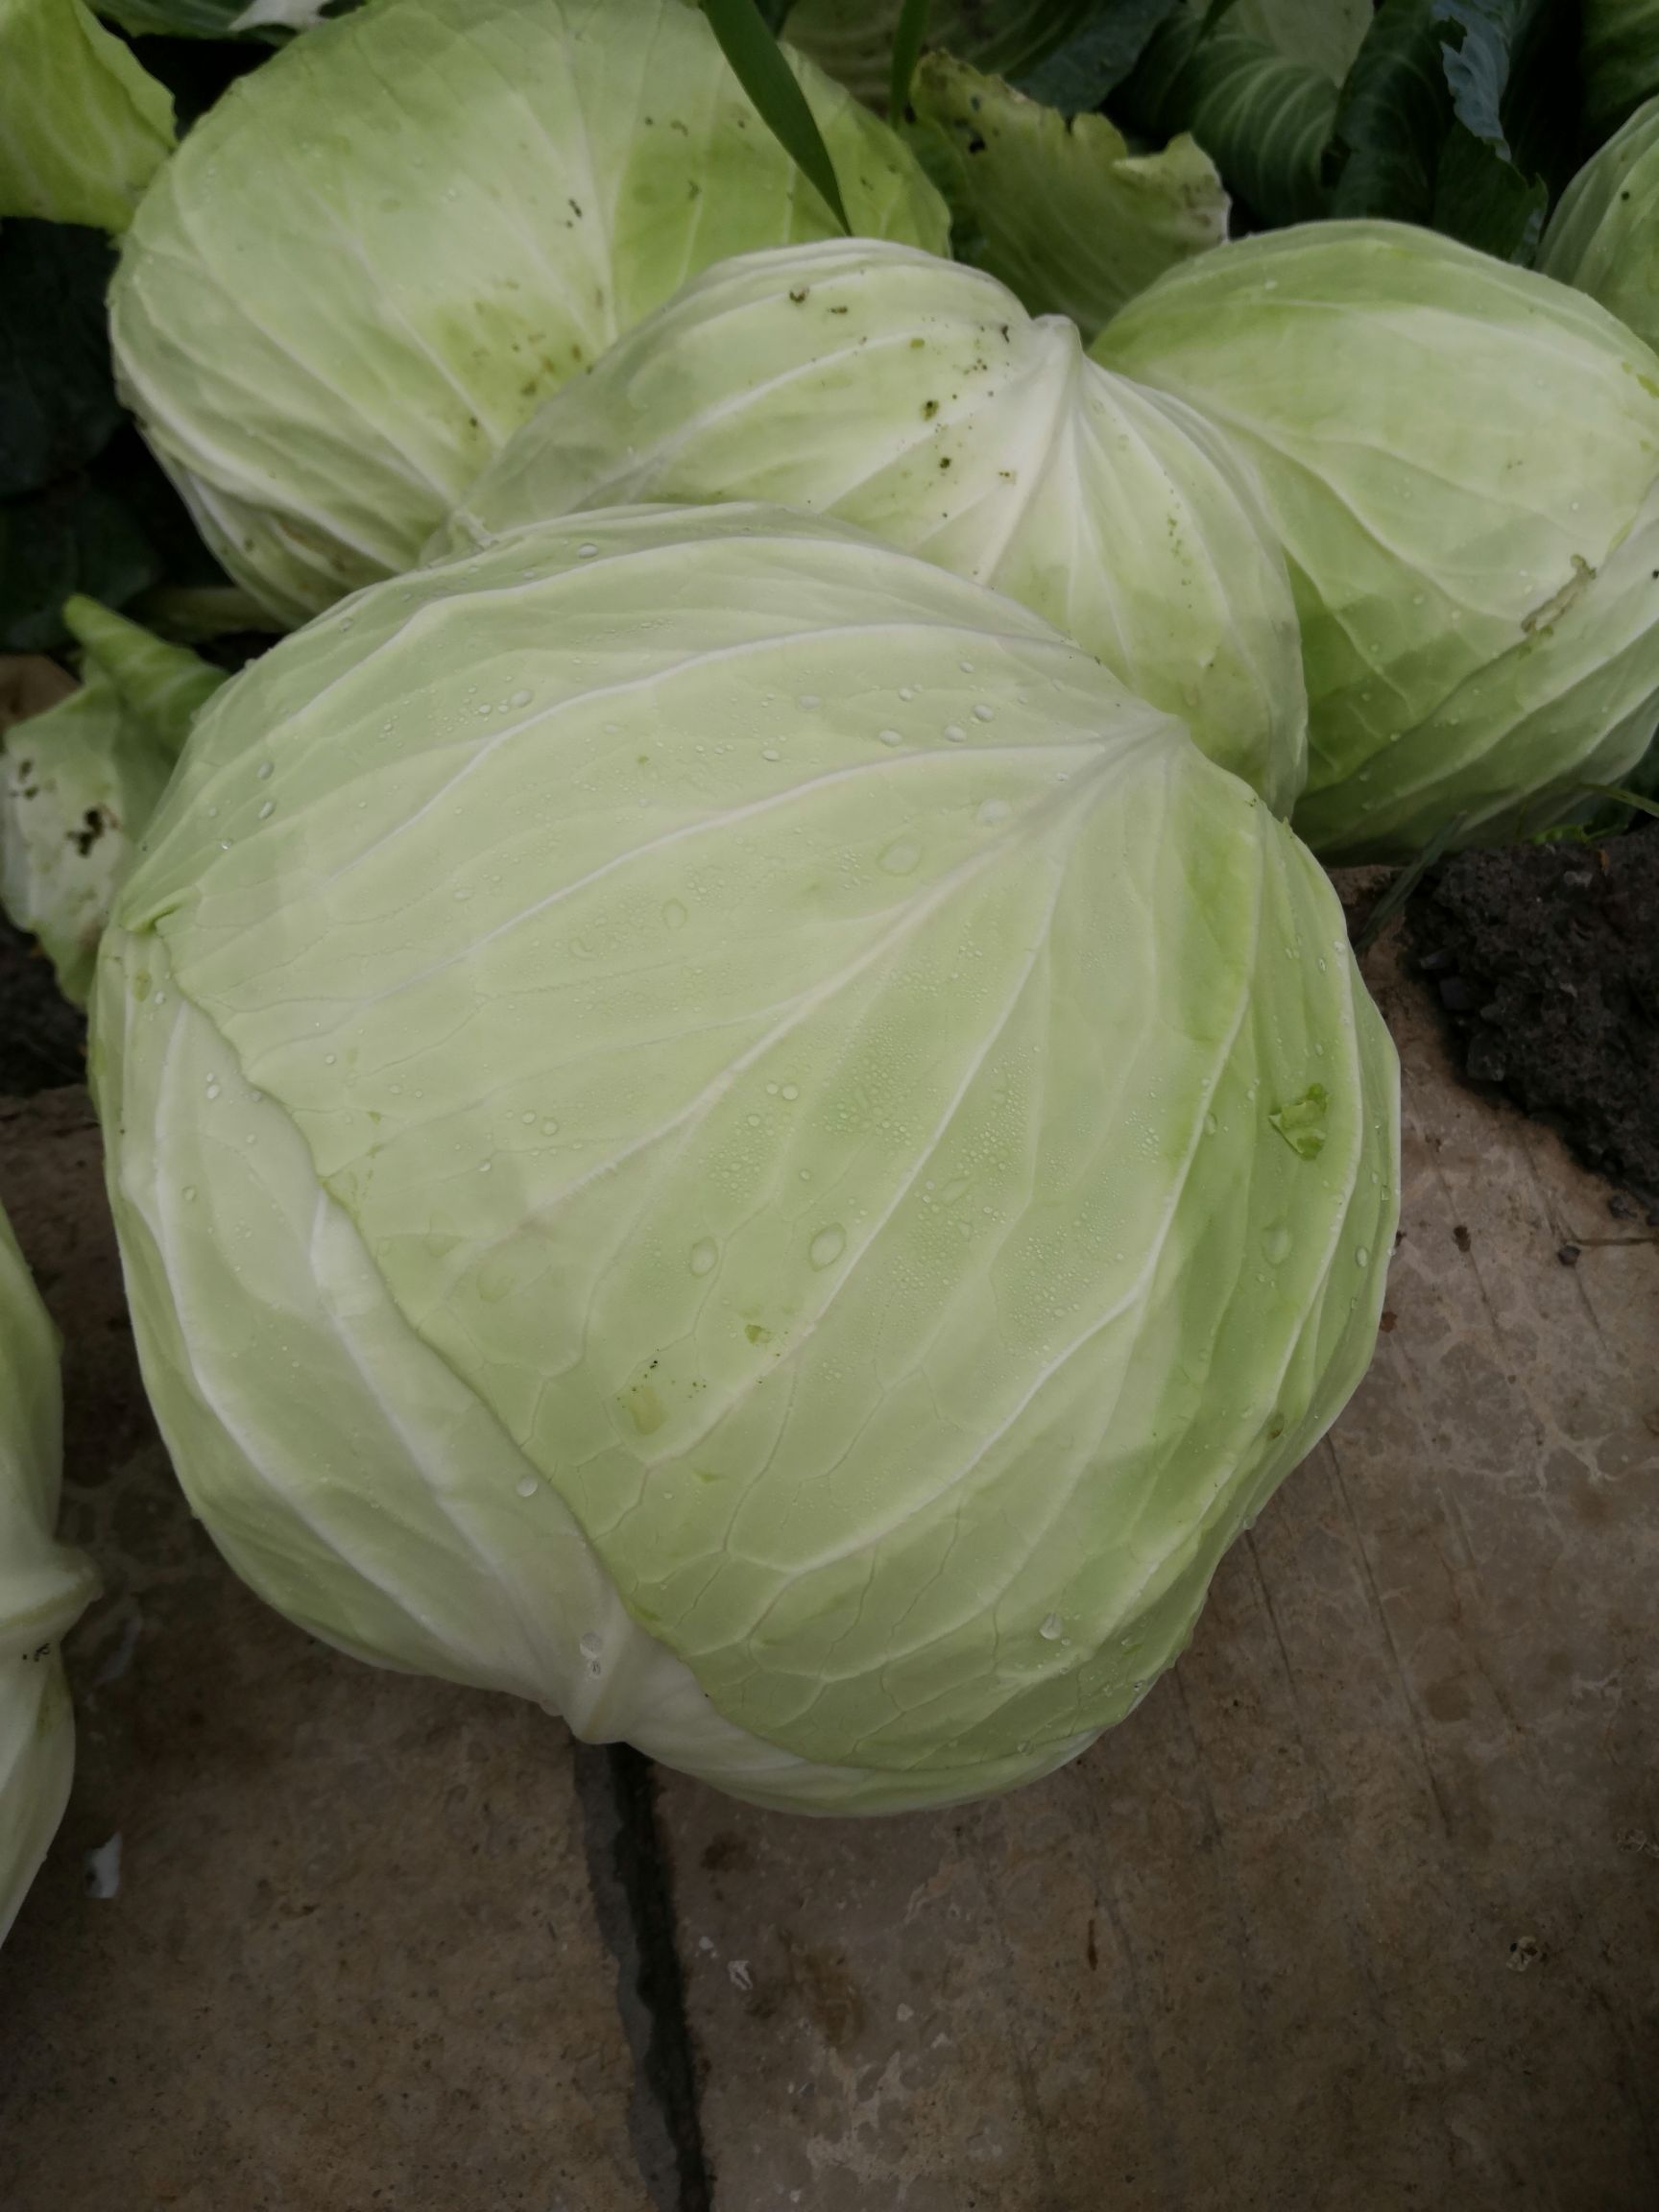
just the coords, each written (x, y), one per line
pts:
(900, 856)
(993, 811)
(983, 713)
(808, 700)
(189, 1193)
(770, 752)
(590, 1647)
(520, 699)
(1363, 1255)
(550, 1128)
(827, 1246)
(1051, 1628)
(791, 1091)
(267, 809)
(1276, 1243)
(675, 915)
(1211, 1124)
(526, 1485)
(954, 734)
(587, 549)
(890, 736)
(704, 1254)
(263, 770)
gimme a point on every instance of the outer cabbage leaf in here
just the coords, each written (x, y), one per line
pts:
(372, 257)
(1057, 207)
(1461, 459)
(1604, 236)
(1620, 60)
(918, 400)
(84, 126)
(79, 783)
(813, 1159)
(43, 1586)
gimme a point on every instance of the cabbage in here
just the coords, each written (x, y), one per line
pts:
(919, 399)
(365, 266)
(43, 1587)
(1604, 236)
(1462, 461)
(709, 1124)
(79, 783)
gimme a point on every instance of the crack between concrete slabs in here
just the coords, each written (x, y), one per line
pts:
(628, 1874)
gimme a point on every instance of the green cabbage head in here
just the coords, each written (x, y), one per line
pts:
(711, 1125)
(1604, 234)
(366, 264)
(1462, 461)
(43, 1586)
(918, 399)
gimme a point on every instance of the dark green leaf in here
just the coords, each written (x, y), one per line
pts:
(1621, 61)
(74, 536)
(907, 38)
(111, 530)
(775, 13)
(1264, 120)
(58, 403)
(1265, 123)
(758, 62)
(1096, 56)
(1394, 112)
(1478, 38)
(1150, 99)
(1483, 199)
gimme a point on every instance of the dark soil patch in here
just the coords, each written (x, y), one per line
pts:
(42, 1037)
(1547, 959)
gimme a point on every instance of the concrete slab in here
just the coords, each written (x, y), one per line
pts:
(354, 1958)
(1360, 1909)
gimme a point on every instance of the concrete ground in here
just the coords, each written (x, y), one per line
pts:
(1360, 1909)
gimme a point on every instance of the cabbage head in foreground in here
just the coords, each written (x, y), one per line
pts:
(1462, 461)
(1604, 236)
(711, 1125)
(366, 265)
(43, 1587)
(919, 399)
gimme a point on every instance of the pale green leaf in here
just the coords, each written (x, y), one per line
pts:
(84, 126)
(1058, 207)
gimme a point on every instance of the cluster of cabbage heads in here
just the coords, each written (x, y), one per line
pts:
(736, 1101)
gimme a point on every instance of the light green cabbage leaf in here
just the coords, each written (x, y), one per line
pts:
(1058, 207)
(1604, 236)
(84, 126)
(1461, 459)
(709, 1124)
(44, 1587)
(918, 400)
(79, 783)
(377, 254)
